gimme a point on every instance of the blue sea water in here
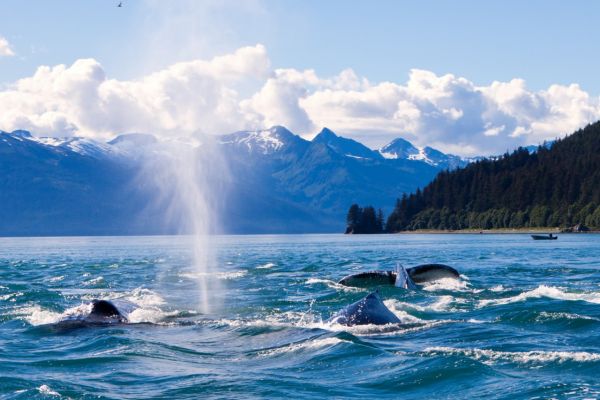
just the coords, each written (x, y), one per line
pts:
(524, 321)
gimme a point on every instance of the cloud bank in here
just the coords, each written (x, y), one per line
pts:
(5, 50)
(241, 91)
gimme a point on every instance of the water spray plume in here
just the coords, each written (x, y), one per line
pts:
(189, 174)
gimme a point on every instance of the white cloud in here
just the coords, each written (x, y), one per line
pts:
(181, 99)
(446, 111)
(5, 48)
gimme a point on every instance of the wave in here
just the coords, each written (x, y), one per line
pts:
(306, 345)
(11, 296)
(309, 320)
(449, 284)
(147, 301)
(45, 390)
(334, 285)
(266, 266)
(441, 304)
(544, 291)
(94, 281)
(218, 275)
(522, 357)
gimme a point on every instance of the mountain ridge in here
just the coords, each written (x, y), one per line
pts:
(275, 182)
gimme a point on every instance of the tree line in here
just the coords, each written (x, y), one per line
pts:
(552, 187)
(557, 186)
(364, 220)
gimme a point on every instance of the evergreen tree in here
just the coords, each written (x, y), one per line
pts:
(551, 187)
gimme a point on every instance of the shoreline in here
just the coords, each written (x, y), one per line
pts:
(494, 231)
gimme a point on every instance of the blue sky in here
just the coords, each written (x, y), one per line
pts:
(544, 43)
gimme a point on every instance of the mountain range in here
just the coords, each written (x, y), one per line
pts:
(275, 182)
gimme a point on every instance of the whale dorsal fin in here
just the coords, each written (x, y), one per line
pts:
(103, 308)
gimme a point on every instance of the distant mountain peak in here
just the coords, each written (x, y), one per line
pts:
(341, 145)
(21, 133)
(402, 149)
(398, 148)
(134, 138)
(262, 141)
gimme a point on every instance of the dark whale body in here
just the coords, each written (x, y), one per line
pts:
(406, 278)
(369, 310)
(101, 312)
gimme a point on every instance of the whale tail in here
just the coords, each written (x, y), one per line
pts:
(403, 279)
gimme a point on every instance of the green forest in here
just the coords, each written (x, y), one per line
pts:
(364, 220)
(552, 187)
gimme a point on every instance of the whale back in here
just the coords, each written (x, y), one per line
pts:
(368, 310)
(104, 311)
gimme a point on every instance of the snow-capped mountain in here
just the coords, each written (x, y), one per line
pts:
(403, 149)
(278, 182)
(263, 142)
(347, 147)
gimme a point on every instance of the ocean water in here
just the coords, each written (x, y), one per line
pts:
(523, 322)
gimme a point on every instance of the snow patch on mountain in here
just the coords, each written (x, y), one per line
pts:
(265, 141)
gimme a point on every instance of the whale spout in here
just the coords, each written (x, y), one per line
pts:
(369, 310)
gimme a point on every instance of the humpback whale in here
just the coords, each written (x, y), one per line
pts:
(100, 312)
(366, 311)
(407, 278)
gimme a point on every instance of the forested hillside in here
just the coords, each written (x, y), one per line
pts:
(552, 187)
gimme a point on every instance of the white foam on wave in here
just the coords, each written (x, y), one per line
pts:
(36, 315)
(306, 345)
(544, 291)
(545, 316)
(217, 275)
(45, 389)
(397, 308)
(449, 284)
(94, 281)
(147, 301)
(11, 296)
(523, 357)
(497, 288)
(266, 266)
(150, 315)
(308, 320)
(145, 297)
(441, 304)
(334, 285)
(57, 278)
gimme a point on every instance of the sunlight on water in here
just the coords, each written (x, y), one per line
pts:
(526, 316)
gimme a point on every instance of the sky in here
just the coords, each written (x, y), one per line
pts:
(467, 77)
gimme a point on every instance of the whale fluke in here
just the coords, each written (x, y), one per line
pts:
(368, 310)
(406, 278)
(403, 279)
(432, 272)
(370, 278)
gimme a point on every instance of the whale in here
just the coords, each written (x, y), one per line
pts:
(369, 310)
(99, 312)
(406, 278)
